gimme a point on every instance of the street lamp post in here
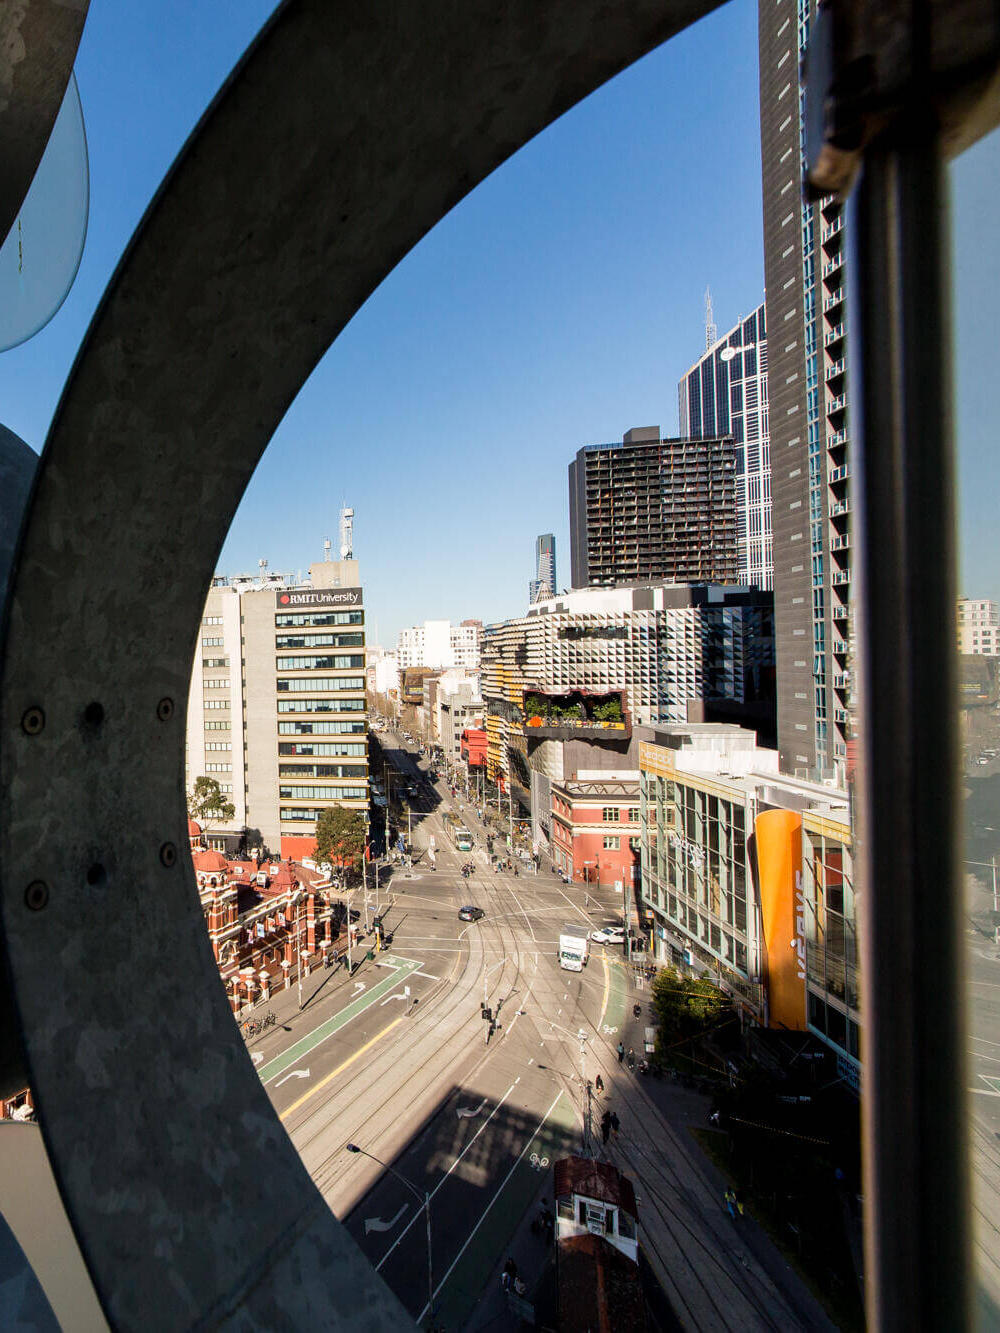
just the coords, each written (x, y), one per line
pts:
(425, 1200)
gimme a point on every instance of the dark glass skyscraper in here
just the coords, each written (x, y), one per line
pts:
(725, 393)
(805, 280)
(544, 583)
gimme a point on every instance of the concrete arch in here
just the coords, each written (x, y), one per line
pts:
(344, 135)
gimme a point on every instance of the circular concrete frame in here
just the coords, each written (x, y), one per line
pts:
(345, 134)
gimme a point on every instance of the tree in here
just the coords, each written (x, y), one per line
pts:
(340, 836)
(206, 802)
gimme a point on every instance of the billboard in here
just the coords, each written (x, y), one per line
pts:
(292, 597)
(779, 868)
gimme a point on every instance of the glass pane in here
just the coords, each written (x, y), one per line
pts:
(40, 256)
(976, 276)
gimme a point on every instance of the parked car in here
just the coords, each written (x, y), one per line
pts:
(608, 935)
(470, 914)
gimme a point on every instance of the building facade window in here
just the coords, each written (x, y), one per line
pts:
(610, 814)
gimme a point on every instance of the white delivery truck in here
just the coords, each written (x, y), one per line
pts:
(574, 948)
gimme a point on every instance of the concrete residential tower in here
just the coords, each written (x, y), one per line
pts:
(653, 510)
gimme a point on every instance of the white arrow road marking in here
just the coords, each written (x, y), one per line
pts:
(358, 987)
(398, 996)
(296, 1073)
(258, 1059)
(463, 1112)
(376, 1223)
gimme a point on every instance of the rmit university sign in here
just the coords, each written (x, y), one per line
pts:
(288, 597)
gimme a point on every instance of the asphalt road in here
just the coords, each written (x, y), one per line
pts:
(396, 1060)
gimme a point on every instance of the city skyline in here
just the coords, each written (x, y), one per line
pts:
(459, 373)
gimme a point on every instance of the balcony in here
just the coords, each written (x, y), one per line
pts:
(839, 508)
(837, 404)
(834, 299)
(832, 229)
(835, 335)
(836, 438)
(842, 680)
(839, 473)
(839, 612)
(841, 715)
(834, 369)
(840, 543)
(832, 265)
(840, 578)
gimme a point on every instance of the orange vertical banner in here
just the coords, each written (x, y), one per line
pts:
(779, 866)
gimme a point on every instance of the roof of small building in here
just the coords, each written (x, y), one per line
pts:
(210, 863)
(599, 1287)
(194, 828)
(594, 1180)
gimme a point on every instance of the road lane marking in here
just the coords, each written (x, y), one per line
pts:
(296, 1073)
(376, 1223)
(482, 1216)
(341, 1067)
(355, 1007)
(607, 990)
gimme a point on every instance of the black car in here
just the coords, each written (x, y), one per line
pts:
(470, 914)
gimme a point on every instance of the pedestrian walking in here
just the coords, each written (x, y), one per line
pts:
(631, 1058)
(616, 1124)
(605, 1126)
(730, 1198)
(598, 1084)
(738, 1200)
(621, 1052)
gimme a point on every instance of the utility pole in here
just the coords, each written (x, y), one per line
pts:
(364, 881)
(298, 944)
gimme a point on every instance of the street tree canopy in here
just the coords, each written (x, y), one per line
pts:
(340, 836)
(206, 802)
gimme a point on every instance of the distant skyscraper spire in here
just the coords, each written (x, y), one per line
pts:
(711, 332)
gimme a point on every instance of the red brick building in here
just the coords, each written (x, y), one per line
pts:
(595, 828)
(265, 919)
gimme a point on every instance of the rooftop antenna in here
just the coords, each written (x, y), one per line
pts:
(711, 331)
(347, 534)
(326, 549)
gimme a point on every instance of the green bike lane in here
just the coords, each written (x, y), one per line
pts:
(401, 968)
(460, 1288)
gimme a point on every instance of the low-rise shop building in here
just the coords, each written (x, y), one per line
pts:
(748, 875)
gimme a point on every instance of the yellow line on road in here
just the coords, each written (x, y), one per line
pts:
(340, 1068)
(607, 990)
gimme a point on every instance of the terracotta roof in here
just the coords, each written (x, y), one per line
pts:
(210, 863)
(194, 828)
(284, 879)
(599, 1288)
(596, 1180)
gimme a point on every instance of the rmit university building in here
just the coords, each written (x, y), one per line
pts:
(276, 708)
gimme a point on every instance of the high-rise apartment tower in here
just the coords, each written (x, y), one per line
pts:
(652, 510)
(725, 393)
(805, 281)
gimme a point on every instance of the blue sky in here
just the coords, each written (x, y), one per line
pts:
(557, 306)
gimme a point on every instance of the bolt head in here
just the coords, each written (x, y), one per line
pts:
(168, 854)
(165, 709)
(36, 895)
(33, 721)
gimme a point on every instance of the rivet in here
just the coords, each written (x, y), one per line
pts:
(168, 854)
(36, 895)
(165, 710)
(33, 721)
